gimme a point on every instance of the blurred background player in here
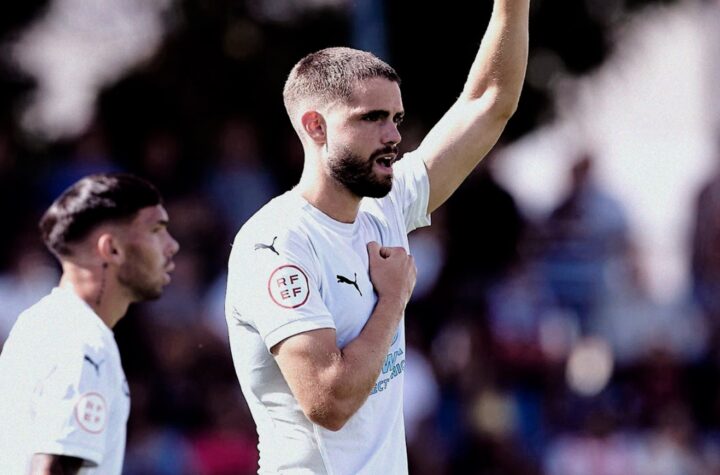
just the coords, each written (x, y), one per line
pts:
(65, 401)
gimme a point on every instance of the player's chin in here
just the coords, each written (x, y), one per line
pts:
(147, 294)
(155, 291)
(384, 182)
(379, 189)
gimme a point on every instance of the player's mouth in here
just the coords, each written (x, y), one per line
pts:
(385, 162)
(168, 270)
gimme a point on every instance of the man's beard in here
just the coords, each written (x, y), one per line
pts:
(356, 173)
(136, 278)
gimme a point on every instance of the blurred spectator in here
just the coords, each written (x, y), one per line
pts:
(476, 259)
(162, 162)
(705, 264)
(14, 190)
(421, 398)
(626, 452)
(214, 304)
(155, 448)
(31, 277)
(428, 249)
(635, 325)
(582, 237)
(89, 154)
(228, 444)
(240, 183)
(421, 393)
(520, 309)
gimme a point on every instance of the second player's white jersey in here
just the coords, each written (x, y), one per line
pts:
(62, 388)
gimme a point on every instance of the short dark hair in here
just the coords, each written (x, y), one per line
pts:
(331, 74)
(91, 201)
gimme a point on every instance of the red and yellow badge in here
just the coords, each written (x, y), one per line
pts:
(288, 286)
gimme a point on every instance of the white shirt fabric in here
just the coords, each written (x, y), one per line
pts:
(294, 269)
(62, 388)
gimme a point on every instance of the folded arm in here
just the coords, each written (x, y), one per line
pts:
(330, 383)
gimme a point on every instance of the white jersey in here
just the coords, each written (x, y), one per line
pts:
(62, 388)
(294, 269)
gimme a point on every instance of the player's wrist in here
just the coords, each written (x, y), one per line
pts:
(393, 303)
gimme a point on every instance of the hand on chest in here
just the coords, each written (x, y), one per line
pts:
(347, 290)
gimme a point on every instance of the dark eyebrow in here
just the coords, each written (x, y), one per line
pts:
(383, 114)
(163, 222)
(376, 112)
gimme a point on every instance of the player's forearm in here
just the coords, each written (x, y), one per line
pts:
(499, 67)
(356, 371)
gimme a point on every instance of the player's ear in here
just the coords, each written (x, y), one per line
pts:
(110, 249)
(314, 126)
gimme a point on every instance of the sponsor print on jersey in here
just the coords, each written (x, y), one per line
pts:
(344, 280)
(393, 367)
(395, 338)
(94, 364)
(270, 247)
(91, 412)
(288, 286)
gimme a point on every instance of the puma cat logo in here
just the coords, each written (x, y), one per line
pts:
(344, 280)
(94, 364)
(267, 246)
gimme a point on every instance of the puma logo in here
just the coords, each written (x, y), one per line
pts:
(236, 317)
(344, 280)
(94, 364)
(267, 246)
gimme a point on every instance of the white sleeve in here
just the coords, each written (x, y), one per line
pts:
(71, 406)
(276, 292)
(411, 191)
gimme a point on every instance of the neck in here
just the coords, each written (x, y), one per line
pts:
(327, 194)
(99, 288)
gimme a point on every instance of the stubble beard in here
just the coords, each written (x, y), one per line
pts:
(136, 279)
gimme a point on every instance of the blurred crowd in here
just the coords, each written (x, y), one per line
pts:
(534, 346)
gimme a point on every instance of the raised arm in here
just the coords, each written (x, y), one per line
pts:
(331, 383)
(471, 127)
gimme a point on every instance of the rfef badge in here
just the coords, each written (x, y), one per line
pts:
(288, 286)
(91, 412)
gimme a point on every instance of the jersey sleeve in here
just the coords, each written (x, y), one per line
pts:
(71, 406)
(274, 285)
(411, 191)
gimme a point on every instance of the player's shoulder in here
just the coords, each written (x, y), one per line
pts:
(46, 313)
(278, 224)
(59, 321)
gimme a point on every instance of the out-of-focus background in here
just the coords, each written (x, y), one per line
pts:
(567, 313)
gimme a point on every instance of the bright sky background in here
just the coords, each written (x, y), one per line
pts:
(650, 117)
(76, 49)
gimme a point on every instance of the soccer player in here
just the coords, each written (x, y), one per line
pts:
(64, 399)
(319, 278)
